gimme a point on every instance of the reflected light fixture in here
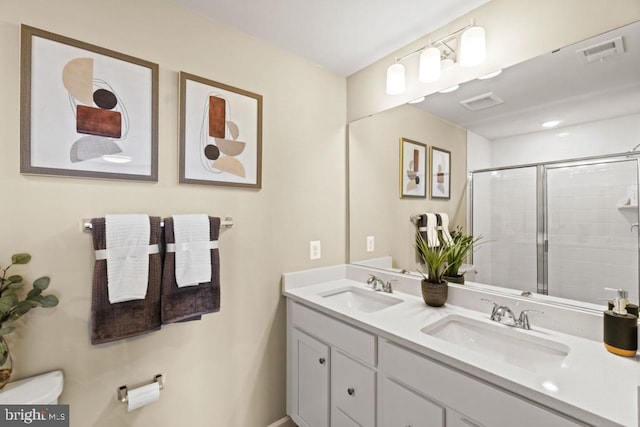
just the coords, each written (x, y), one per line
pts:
(490, 75)
(115, 158)
(551, 124)
(450, 89)
(395, 79)
(438, 55)
(417, 100)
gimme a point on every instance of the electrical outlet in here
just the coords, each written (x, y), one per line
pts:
(315, 251)
(371, 243)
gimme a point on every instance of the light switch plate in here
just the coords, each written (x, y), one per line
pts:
(315, 250)
(371, 243)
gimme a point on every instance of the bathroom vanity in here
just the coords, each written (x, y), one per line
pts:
(356, 357)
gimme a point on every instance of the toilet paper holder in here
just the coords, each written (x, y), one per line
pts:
(123, 390)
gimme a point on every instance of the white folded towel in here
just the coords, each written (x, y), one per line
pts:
(193, 249)
(446, 236)
(432, 231)
(127, 255)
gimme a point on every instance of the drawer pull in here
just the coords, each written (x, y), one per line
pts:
(351, 391)
(321, 360)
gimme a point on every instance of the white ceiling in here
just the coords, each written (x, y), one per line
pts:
(556, 86)
(342, 36)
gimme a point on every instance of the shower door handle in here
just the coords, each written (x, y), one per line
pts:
(633, 225)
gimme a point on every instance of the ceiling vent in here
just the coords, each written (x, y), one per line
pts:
(600, 51)
(481, 102)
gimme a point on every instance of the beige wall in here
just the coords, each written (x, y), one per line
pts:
(376, 208)
(229, 368)
(516, 30)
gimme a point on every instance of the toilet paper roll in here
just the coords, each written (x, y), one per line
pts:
(142, 396)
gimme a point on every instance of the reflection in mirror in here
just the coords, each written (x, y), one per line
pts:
(556, 226)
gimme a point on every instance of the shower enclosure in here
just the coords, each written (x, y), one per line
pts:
(565, 229)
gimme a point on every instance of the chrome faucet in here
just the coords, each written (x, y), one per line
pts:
(379, 285)
(503, 314)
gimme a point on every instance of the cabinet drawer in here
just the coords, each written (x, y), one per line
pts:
(358, 343)
(352, 390)
(403, 408)
(485, 404)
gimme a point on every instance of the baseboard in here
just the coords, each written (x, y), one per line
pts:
(282, 422)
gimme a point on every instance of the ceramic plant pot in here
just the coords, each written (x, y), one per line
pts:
(435, 294)
(459, 279)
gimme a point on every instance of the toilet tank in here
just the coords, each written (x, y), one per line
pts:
(41, 389)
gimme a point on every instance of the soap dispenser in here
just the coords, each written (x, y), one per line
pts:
(620, 327)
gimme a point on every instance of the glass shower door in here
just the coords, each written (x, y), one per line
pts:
(504, 213)
(591, 229)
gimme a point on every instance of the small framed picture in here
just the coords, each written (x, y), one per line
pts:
(86, 111)
(220, 134)
(413, 169)
(440, 173)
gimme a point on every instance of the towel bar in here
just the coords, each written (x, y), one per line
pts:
(227, 222)
(414, 218)
(123, 390)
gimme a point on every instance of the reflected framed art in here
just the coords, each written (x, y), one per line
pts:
(413, 169)
(440, 187)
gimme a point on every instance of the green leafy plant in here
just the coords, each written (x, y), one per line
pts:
(434, 259)
(12, 307)
(462, 246)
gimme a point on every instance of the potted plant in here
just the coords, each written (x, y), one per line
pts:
(434, 288)
(461, 248)
(12, 308)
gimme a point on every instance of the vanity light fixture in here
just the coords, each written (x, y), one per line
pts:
(550, 124)
(115, 158)
(439, 55)
(563, 134)
(395, 79)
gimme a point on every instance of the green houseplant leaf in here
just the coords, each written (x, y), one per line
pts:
(21, 258)
(434, 259)
(42, 283)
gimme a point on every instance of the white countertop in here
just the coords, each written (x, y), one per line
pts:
(591, 384)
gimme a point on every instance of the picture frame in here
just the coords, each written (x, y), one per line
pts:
(86, 111)
(440, 181)
(413, 169)
(220, 134)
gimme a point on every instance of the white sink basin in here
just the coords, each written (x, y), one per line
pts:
(361, 299)
(514, 346)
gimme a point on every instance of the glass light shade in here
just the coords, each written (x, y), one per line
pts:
(473, 47)
(395, 79)
(430, 70)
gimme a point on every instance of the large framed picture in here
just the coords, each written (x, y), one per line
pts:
(86, 111)
(413, 169)
(440, 187)
(220, 134)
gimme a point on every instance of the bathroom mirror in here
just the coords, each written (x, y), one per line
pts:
(593, 89)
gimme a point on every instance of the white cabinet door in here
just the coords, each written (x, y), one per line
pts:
(404, 408)
(456, 419)
(353, 390)
(310, 381)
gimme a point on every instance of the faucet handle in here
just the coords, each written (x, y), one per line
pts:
(494, 309)
(523, 320)
(388, 287)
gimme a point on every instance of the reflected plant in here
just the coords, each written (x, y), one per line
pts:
(461, 248)
(12, 307)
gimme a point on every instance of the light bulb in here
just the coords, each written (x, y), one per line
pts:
(473, 49)
(395, 79)
(430, 70)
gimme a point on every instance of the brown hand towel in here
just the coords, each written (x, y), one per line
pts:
(111, 322)
(190, 302)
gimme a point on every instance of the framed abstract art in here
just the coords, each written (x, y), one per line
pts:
(220, 134)
(86, 111)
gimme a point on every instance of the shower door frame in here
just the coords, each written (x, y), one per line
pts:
(542, 214)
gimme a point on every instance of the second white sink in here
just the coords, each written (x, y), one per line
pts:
(353, 298)
(514, 346)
